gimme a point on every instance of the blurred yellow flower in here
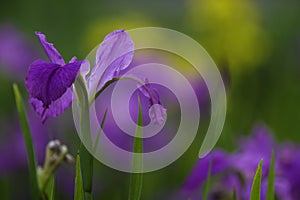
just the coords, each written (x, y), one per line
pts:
(230, 30)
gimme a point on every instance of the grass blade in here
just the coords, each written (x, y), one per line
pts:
(255, 190)
(78, 191)
(86, 164)
(271, 179)
(28, 142)
(207, 183)
(136, 179)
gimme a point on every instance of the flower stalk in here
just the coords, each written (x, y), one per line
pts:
(56, 154)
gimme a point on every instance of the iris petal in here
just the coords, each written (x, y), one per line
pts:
(55, 108)
(48, 81)
(37, 80)
(50, 50)
(114, 54)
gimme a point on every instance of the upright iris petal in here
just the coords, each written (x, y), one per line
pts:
(49, 83)
(114, 54)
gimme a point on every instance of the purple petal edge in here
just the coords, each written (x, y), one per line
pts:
(50, 50)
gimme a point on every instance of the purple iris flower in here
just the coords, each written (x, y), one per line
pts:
(49, 83)
(113, 58)
(196, 179)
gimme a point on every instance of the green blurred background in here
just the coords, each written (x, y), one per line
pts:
(257, 44)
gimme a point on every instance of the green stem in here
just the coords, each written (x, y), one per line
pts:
(136, 179)
(86, 159)
(108, 83)
(100, 132)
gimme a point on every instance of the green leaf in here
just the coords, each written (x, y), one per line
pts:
(86, 159)
(234, 195)
(50, 188)
(136, 179)
(255, 190)
(207, 183)
(271, 179)
(78, 191)
(28, 142)
(86, 164)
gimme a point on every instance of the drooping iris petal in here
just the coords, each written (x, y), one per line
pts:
(47, 81)
(49, 87)
(62, 79)
(157, 114)
(114, 54)
(37, 80)
(50, 50)
(55, 108)
(157, 111)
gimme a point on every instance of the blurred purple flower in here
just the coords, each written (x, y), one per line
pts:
(252, 150)
(244, 161)
(198, 176)
(241, 166)
(48, 83)
(13, 154)
(289, 165)
(16, 52)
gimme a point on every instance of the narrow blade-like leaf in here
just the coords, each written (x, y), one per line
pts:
(136, 179)
(255, 190)
(78, 191)
(271, 179)
(234, 195)
(28, 142)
